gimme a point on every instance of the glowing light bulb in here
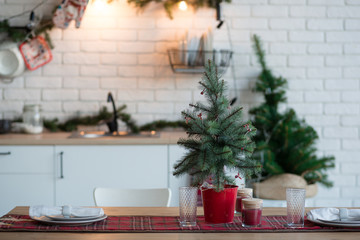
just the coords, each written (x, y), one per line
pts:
(99, 4)
(183, 6)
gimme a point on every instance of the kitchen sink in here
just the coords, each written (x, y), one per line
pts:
(102, 134)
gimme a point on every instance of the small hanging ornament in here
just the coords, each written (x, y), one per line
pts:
(32, 24)
(200, 116)
(69, 10)
(238, 176)
(202, 92)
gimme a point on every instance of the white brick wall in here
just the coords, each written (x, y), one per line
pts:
(315, 44)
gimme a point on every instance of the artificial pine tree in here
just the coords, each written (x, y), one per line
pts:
(217, 137)
(285, 144)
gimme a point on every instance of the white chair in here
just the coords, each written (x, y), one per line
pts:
(113, 197)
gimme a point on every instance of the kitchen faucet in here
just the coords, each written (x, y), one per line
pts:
(112, 125)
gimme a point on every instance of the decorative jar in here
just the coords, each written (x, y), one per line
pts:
(251, 212)
(32, 119)
(241, 194)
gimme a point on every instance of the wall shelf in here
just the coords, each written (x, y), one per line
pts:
(193, 61)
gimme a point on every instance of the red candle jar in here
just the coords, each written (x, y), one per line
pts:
(241, 194)
(251, 212)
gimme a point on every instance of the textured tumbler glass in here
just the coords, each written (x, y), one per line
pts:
(295, 200)
(187, 206)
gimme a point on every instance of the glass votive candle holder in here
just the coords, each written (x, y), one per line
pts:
(241, 194)
(251, 212)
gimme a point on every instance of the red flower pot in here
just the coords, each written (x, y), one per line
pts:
(219, 207)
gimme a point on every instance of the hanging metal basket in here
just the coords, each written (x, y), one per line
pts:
(194, 61)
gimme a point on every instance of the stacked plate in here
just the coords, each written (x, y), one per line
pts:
(336, 223)
(69, 221)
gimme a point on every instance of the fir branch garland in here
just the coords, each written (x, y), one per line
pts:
(103, 115)
(19, 35)
(170, 4)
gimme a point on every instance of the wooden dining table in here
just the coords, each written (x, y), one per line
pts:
(172, 211)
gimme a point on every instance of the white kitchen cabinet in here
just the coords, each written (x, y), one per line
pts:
(79, 169)
(175, 153)
(31, 175)
(26, 176)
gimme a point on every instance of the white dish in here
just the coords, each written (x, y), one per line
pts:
(8, 62)
(333, 224)
(44, 219)
(340, 222)
(72, 218)
(11, 61)
(193, 46)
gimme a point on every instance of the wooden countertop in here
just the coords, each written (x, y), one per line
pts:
(62, 138)
(174, 236)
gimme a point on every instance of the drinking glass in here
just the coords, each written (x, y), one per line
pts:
(187, 206)
(295, 200)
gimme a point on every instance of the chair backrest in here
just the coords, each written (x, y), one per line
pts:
(113, 197)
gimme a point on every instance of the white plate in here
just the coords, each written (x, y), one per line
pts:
(8, 62)
(47, 220)
(340, 222)
(71, 218)
(332, 224)
(11, 61)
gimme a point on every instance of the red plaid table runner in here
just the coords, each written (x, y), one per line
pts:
(158, 224)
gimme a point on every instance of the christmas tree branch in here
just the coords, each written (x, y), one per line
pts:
(228, 126)
(187, 157)
(187, 115)
(233, 113)
(242, 148)
(199, 107)
(209, 90)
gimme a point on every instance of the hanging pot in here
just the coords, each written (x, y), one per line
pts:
(219, 207)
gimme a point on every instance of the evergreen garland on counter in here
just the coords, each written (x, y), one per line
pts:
(161, 124)
(103, 116)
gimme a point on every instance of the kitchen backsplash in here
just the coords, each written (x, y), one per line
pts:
(315, 44)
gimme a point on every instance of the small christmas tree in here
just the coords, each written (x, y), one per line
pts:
(217, 137)
(285, 143)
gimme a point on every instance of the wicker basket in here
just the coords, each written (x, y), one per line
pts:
(275, 187)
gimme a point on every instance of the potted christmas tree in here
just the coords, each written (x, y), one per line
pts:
(218, 140)
(285, 144)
